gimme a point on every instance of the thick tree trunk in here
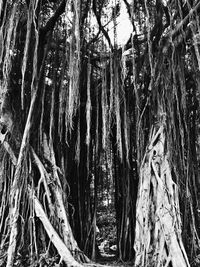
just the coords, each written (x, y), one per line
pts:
(158, 239)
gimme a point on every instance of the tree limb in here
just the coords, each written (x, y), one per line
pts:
(185, 20)
(176, 31)
(128, 8)
(100, 25)
(52, 21)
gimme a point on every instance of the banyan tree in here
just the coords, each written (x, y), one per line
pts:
(73, 98)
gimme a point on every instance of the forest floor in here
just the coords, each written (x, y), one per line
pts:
(109, 260)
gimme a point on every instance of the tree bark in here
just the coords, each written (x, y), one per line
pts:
(158, 224)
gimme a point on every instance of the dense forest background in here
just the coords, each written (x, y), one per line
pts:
(87, 119)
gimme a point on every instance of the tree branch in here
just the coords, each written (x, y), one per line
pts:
(100, 25)
(185, 20)
(52, 21)
(177, 30)
(128, 9)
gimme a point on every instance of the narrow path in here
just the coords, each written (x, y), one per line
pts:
(109, 261)
(108, 264)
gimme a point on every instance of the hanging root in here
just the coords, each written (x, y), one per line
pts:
(62, 249)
